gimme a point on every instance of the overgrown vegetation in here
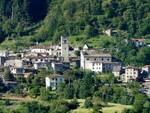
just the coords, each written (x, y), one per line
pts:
(96, 89)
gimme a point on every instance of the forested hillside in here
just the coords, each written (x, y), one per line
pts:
(16, 16)
(23, 22)
(73, 17)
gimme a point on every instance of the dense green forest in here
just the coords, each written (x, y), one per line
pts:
(16, 16)
(25, 21)
(72, 17)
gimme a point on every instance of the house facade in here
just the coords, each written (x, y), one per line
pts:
(131, 74)
(146, 69)
(97, 61)
(17, 71)
(14, 63)
(53, 81)
(138, 42)
(60, 66)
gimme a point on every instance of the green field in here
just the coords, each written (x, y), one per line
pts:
(112, 108)
(96, 42)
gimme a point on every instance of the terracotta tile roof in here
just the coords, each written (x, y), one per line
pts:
(55, 76)
(138, 39)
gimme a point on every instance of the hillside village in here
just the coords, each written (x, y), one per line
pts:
(63, 57)
(74, 56)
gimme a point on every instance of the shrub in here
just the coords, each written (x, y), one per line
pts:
(88, 103)
(73, 104)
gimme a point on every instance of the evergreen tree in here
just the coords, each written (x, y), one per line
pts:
(7, 75)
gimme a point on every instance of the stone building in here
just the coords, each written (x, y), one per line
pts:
(60, 66)
(14, 63)
(53, 81)
(146, 69)
(64, 48)
(131, 74)
(98, 61)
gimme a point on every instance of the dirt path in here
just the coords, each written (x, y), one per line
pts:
(16, 98)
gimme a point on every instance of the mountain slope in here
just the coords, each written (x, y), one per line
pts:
(89, 18)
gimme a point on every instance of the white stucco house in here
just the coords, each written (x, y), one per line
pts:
(98, 61)
(53, 81)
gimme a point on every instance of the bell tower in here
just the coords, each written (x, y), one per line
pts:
(64, 48)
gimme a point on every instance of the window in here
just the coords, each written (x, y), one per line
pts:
(65, 41)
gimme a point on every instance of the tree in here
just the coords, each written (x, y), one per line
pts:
(7, 75)
(88, 103)
(34, 91)
(73, 104)
(33, 106)
(69, 92)
(70, 7)
(139, 101)
(2, 36)
(91, 31)
(1, 111)
(143, 56)
(86, 85)
(2, 86)
(60, 109)
(146, 107)
(19, 29)
(8, 27)
(45, 95)
(77, 53)
(128, 111)
(97, 106)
